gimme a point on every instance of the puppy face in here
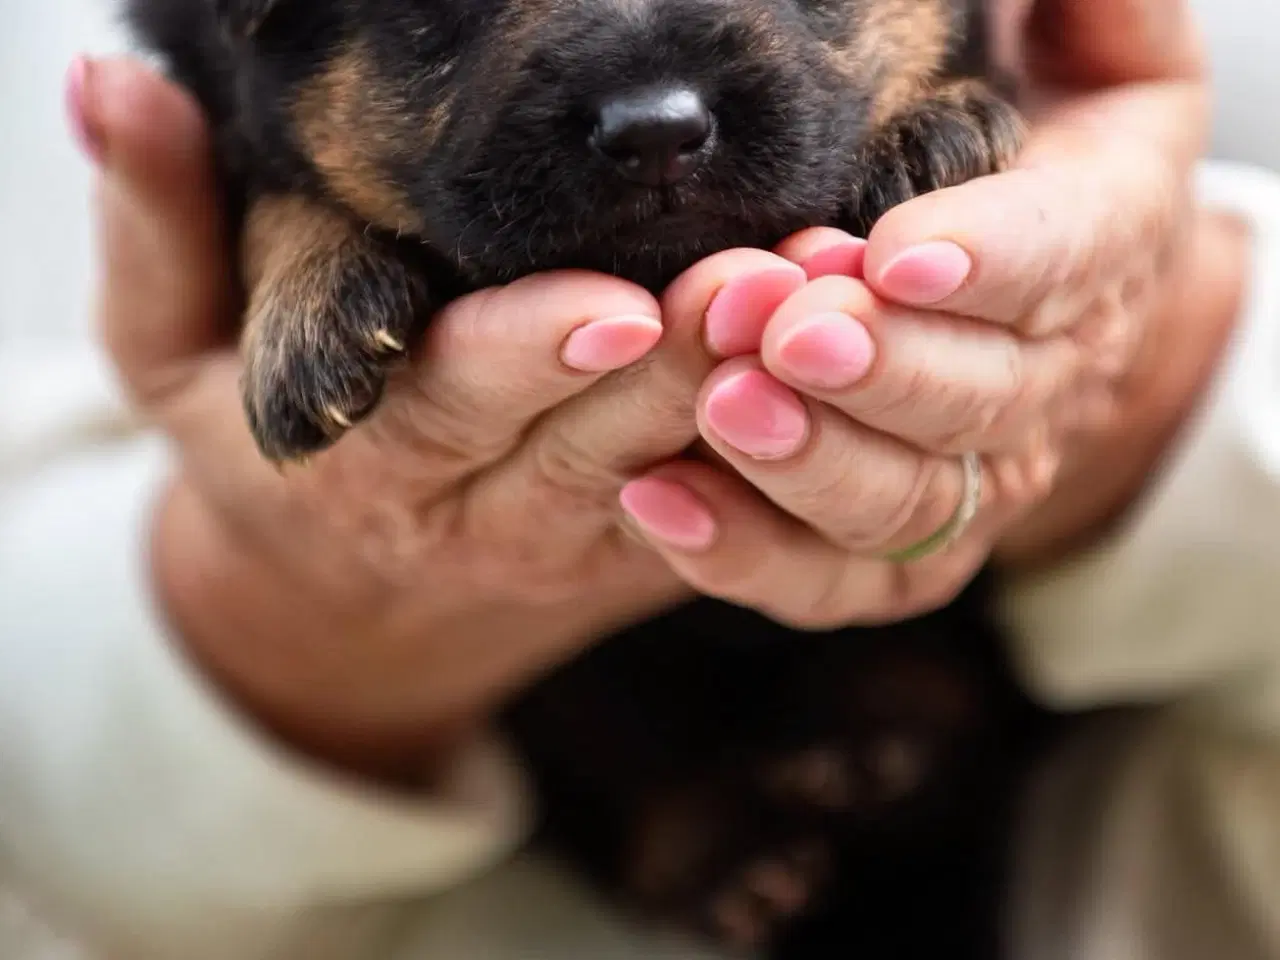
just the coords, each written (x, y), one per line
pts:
(631, 136)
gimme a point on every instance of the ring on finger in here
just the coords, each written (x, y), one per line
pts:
(957, 524)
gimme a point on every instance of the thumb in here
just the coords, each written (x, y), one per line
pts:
(1036, 247)
(165, 287)
(1087, 213)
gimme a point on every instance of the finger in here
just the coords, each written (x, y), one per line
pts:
(577, 457)
(166, 285)
(825, 251)
(946, 384)
(726, 541)
(731, 296)
(862, 490)
(1083, 217)
(1035, 250)
(494, 361)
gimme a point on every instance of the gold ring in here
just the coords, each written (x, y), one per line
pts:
(954, 528)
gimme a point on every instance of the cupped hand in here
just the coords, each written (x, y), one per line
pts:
(998, 320)
(464, 539)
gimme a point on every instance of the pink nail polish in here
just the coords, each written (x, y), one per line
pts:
(668, 513)
(611, 344)
(926, 274)
(757, 415)
(828, 352)
(736, 319)
(840, 260)
(78, 92)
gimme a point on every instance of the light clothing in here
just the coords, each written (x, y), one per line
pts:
(140, 809)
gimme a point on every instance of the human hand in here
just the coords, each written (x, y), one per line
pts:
(1000, 318)
(464, 539)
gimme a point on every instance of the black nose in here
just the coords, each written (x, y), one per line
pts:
(655, 136)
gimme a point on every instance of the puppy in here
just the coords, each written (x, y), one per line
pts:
(383, 156)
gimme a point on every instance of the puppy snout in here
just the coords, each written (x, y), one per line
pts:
(654, 136)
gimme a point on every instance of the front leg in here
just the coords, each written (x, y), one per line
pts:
(963, 130)
(330, 308)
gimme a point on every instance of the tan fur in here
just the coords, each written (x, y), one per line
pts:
(293, 250)
(349, 119)
(903, 43)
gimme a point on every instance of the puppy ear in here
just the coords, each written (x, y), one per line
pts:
(242, 18)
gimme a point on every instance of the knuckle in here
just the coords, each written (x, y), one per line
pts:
(886, 515)
(916, 590)
(568, 476)
(743, 576)
(1105, 332)
(416, 420)
(831, 609)
(802, 620)
(726, 576)
(1027, 480)
(831, 603)
(918, 386)
(524, 556)
(916, 595)
(841, 504)
(467, 323)
(391, 536)
(990, 406)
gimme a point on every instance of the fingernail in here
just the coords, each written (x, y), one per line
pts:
(611, 344)
(830, 351)
(927, 273)
(736, 319)
(841, 260)
(668, 513)
(757, 415)
(81, 108)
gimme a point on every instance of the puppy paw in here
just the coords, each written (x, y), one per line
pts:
(962, 131)
(756, 899)
(720, 861)
(329, 312)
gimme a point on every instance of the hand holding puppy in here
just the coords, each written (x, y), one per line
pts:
(467, 537)
(993, 323)
(368, 605)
